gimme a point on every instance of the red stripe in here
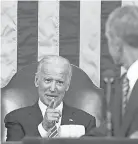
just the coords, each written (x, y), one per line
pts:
(106, 61)
(69, 30)
(27, 49)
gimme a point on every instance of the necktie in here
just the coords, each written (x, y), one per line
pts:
(53, 132)
(125, 90)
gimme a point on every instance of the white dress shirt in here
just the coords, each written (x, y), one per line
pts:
(43, 108)
(132, 75)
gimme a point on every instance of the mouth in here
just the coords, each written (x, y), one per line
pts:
(51, 95)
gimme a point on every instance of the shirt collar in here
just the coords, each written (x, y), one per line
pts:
(132, 74)
(43, 107)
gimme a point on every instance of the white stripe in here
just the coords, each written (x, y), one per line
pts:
(90, 23)
(8, 47)
(130, 2)
(8, 41)
(48, 28)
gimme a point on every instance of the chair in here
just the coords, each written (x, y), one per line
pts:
(82, 94)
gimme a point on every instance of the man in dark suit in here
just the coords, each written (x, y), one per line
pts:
(122, 35)
(50, 116)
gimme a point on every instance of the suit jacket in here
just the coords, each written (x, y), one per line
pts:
(124, 127)
(24, 121)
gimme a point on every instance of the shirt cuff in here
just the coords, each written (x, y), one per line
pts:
(42, 131)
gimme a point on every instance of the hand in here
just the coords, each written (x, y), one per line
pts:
(51, 116)
(134, 135)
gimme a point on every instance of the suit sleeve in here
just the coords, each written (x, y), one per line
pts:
(15, 131)
(91, 125)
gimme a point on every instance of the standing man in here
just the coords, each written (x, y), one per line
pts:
(122, 35)
(50, 116)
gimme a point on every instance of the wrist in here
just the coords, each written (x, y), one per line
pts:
(47, 125)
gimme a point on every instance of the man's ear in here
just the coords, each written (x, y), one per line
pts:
(67, 88)
(36, 81)
(68, 83)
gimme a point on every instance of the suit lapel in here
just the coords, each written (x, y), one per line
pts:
(116, 107)
(68, 115)
(36, 118)
(130, 109)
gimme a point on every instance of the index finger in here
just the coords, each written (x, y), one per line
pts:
(52, 103)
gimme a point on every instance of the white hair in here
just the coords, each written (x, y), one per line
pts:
(55, 59)
(122, 25)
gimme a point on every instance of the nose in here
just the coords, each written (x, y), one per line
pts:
(53, 86)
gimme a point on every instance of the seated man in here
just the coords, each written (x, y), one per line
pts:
(50, 116)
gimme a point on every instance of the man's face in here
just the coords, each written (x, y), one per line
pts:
(52, 83)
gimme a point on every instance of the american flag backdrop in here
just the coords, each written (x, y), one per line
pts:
(72, 29)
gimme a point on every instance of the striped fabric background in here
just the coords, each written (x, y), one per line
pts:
(72, 29)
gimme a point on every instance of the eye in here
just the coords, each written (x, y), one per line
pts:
(60, 82)
(46, 80)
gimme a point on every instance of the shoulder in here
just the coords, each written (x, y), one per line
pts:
(17, 114)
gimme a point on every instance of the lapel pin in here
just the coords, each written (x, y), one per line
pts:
(70, 119)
